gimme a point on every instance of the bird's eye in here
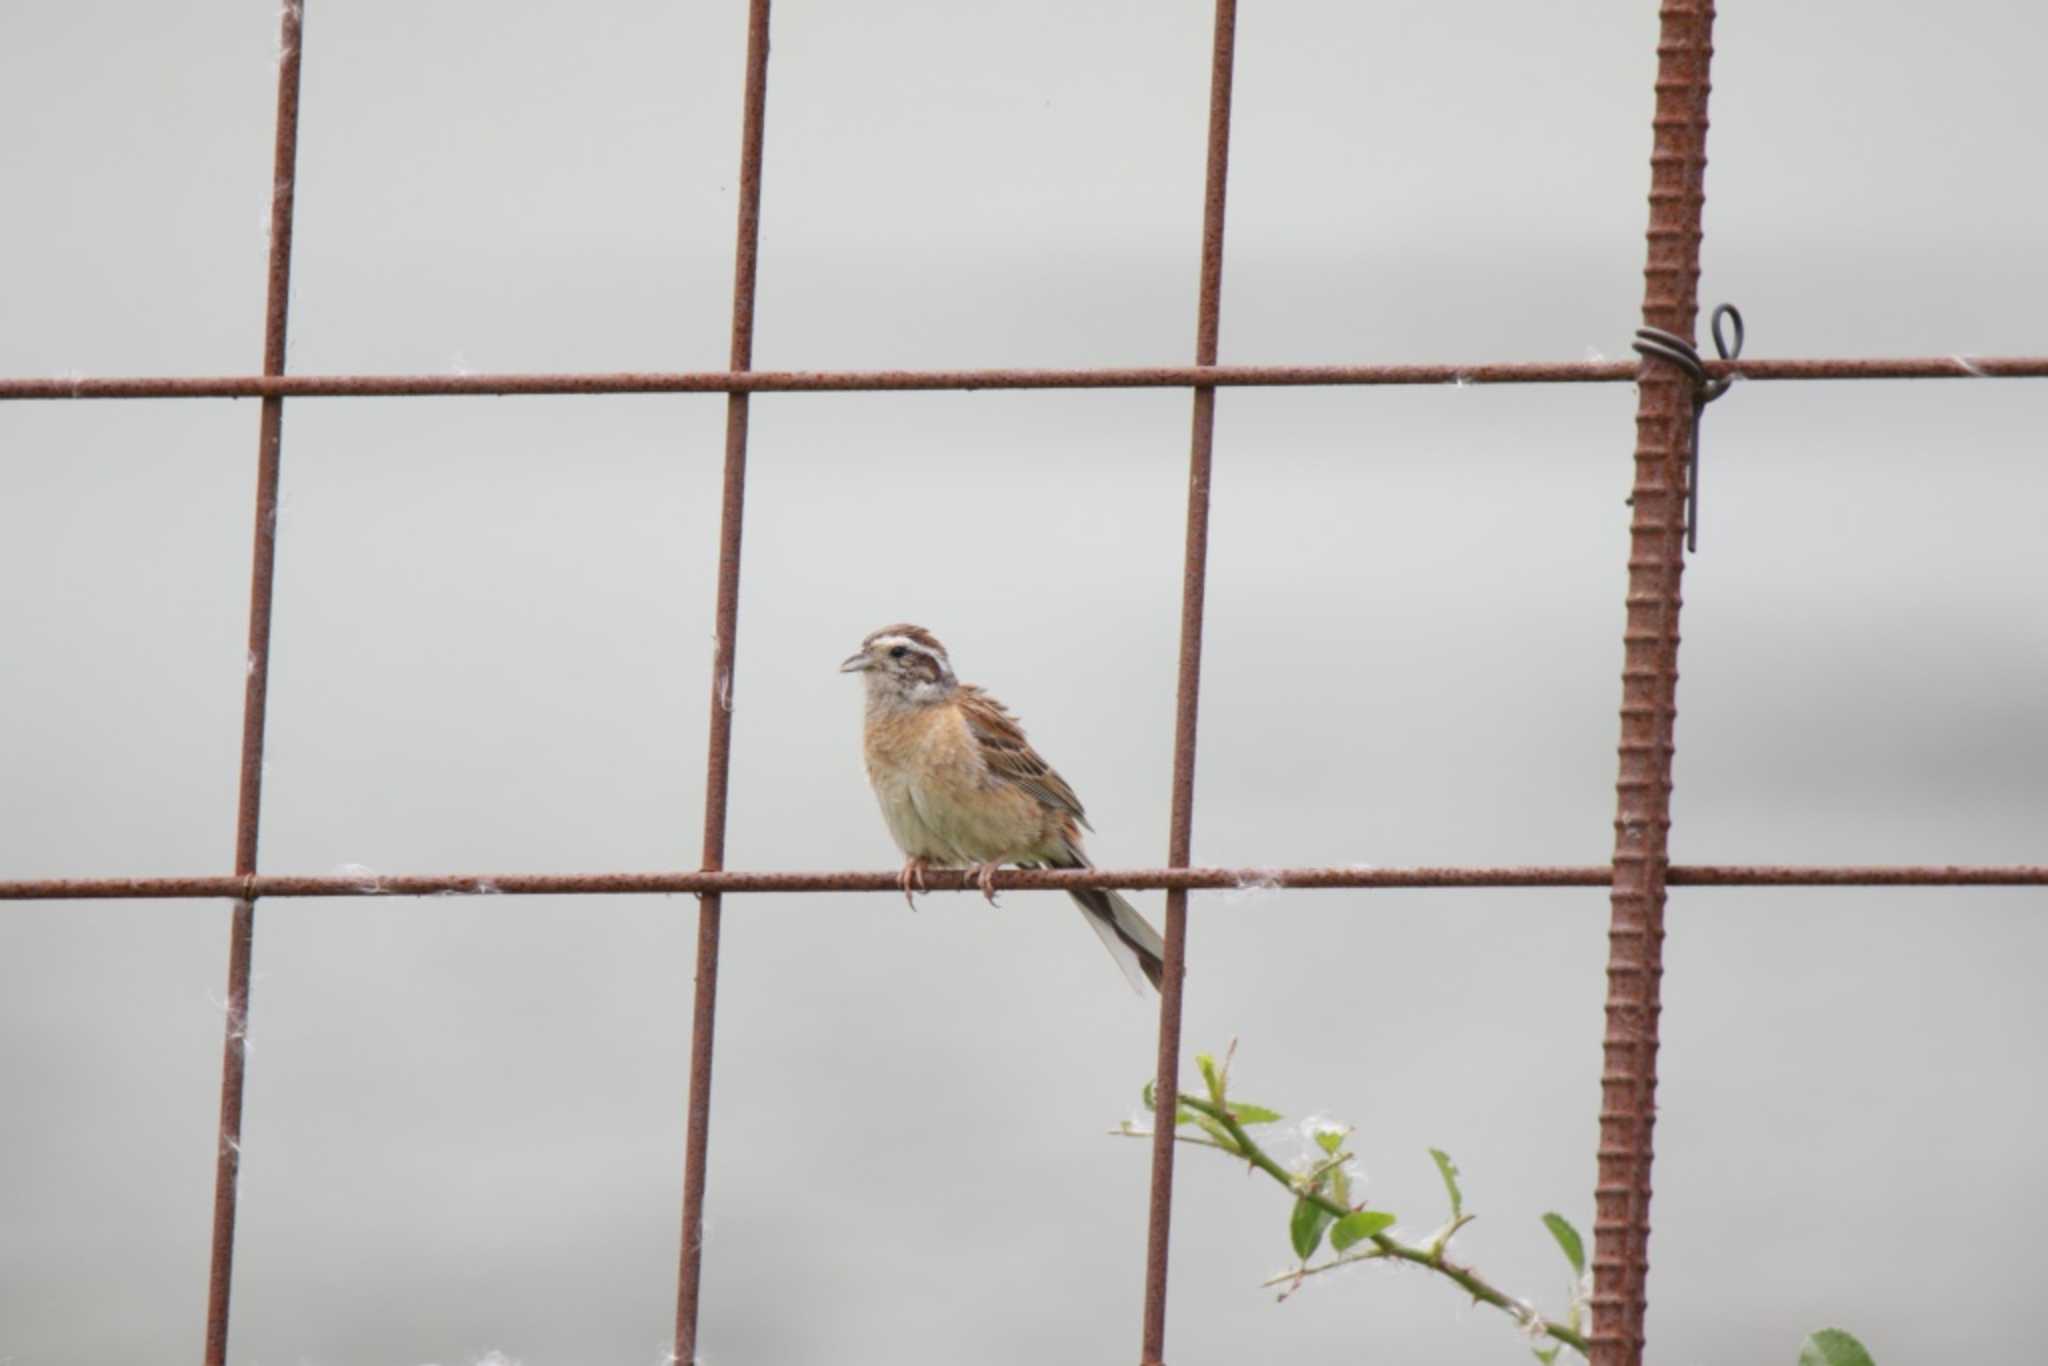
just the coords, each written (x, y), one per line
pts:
(898, 652)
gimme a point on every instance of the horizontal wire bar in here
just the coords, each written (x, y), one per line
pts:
(1134, 879)
(1115, 377)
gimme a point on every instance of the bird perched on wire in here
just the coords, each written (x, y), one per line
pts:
(960, 787)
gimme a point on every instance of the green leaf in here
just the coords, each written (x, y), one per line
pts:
(1306, 1227)
(1210, 1075)
(1181, 1113)
(1833, 1347)
(1358, 1226)
(1449, 1171)
(1254, 1114)
(1568, 1239)
(1340, 1185)
(1547, 1355)
(1329, 1140)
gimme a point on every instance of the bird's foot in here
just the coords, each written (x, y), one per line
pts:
(984, 875)
(913, 876)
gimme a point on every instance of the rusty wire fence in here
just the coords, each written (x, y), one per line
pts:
(1670, 391)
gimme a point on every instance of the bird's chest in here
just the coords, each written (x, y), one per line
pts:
(929, 778)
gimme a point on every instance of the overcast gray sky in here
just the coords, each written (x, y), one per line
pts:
(465, 1117)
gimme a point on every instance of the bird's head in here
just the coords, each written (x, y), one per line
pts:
(904, 665)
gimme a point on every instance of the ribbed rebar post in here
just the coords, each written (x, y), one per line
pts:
(1664, 425)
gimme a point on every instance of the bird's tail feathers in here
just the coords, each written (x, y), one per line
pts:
(1129, 937)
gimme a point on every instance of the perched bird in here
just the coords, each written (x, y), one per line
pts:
(961, 787)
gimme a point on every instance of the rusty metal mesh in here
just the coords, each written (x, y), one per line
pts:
(1638, 874)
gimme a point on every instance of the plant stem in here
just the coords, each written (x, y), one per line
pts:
(1129, 1130)
(1466, 1279)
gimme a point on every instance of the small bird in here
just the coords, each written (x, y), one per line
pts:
(961, 787)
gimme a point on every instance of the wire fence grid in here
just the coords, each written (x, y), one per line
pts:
(1640, 871)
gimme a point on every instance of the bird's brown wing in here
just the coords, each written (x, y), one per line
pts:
(1010, 756)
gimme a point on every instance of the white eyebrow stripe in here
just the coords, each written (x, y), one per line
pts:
(890, 642)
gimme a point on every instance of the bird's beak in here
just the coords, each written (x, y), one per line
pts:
(857, 664)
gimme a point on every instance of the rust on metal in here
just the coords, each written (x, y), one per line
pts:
(1103, 377)
(1664, 427)
(1194, 582)
(697, 883)
(1637, 877)
(724, 663)
(256, 692)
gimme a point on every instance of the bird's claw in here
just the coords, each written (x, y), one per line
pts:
(912, 876)
(985, 878)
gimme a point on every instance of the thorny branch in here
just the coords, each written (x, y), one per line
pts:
(1227, 1133)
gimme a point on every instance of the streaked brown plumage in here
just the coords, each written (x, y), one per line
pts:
(960, 786)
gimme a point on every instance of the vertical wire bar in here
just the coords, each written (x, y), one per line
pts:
(1664, 417)
(1194, 583)
(256, 690)
(718, 760)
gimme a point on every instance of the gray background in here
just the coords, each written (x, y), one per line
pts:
(465, 1117)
